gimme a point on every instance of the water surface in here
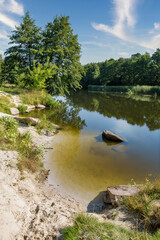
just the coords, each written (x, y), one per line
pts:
(82, 163)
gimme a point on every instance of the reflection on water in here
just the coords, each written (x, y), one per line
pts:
(84, 164)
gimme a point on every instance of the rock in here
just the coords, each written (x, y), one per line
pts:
(115, 193)
(39, 106)
(46, 133)
(31, 107)
(14, 111)
(28, 120)
(154, 212)
(112, 136)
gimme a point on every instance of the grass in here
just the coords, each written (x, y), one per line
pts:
(139, 90)
(45, 124)
(22, 108)
(30, 156)
(144, 203)
(12, 89)
(38, 97)
(5, 104)
(89, 228)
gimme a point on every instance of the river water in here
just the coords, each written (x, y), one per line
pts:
(83, 164)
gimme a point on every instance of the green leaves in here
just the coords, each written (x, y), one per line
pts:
(48, 59)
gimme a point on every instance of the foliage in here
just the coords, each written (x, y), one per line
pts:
(45, 124)
(36, 78)
(137, 70)
(29, 154)
(5, 104)
(90, 228)
(126, 89)
(22, 108)
(1, 62)
(44, 59)
(142, 202)
(38, 97)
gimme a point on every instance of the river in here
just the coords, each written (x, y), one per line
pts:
(83, 164)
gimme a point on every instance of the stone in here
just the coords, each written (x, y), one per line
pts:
(14, 111)
(115, 193)
(46, 133)
(40, 106)
(28, 120)
(112, 136)
(154, 212)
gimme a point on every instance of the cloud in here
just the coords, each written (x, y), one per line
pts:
(124, 23)
(98, 44)
(157, 26)
(10, 6)
(7, 21)
(124, 18)
(3, 35)
(124, 54)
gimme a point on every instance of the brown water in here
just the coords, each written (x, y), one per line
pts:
(84, 165)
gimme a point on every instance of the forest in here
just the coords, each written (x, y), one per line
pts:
(137, 70)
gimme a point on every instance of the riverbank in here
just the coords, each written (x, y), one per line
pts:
(31, 208)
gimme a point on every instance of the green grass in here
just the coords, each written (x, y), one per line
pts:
(30, 156)
(141, 90)
(5, 104)
(89, 228)
(142, 203)
(38, 97)
(12, 88)
(22, 108)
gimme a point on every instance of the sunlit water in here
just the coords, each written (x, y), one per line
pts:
(84, 165)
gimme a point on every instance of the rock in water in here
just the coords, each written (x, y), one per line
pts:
(112, 136)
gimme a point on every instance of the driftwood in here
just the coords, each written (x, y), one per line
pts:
(112, 136)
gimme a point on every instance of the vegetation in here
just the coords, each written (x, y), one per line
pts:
(30, 156)
(43, 59)
(90, 228)
(5, 104)
(144, 203)
(137, 70)
(22, 108)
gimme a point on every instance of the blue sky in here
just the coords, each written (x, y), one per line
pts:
(106, 28)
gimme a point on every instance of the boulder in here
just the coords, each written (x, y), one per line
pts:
(39, 106)
(28, 120)
(154, 212)
(115, 193)
(14, 111)
(47, 133)
(112, 136)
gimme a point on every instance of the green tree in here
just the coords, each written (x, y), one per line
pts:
(26, 43)
(1, 61)
(62, 47)
(36, 77)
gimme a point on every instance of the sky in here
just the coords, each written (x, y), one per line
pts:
(106, 28)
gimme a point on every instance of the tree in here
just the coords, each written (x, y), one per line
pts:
(26, 43)
(1, 61)
(36, 78)
(62, 47)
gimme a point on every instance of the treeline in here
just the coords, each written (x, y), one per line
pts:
(39, 59)
(137, 70)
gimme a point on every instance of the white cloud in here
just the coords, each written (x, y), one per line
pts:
(98, 44)
(10, 6)
(124, 18)
(14, 7)
(124, 54)
(3, 35)
(125, 21)
(157, 26)
(7, 21)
